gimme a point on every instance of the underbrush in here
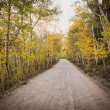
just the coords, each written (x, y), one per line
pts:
(22, 78)
(97, 72)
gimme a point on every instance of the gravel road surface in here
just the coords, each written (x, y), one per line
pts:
(63, 87)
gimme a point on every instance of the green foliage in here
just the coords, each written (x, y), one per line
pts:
(82, 44)
(22, 51)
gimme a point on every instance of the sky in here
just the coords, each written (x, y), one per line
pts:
(67, 13)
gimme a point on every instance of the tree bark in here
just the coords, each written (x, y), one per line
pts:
(94, 43)
(104, 65)
(8, 36)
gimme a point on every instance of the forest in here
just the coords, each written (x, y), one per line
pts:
(28, 47)
(23, 52)
(89, 39)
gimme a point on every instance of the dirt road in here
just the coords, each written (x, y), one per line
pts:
(63, 87)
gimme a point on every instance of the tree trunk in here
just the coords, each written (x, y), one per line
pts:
(94, 43)
(7, 37)
(82, 58)
(108, 43)
(104, 65)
